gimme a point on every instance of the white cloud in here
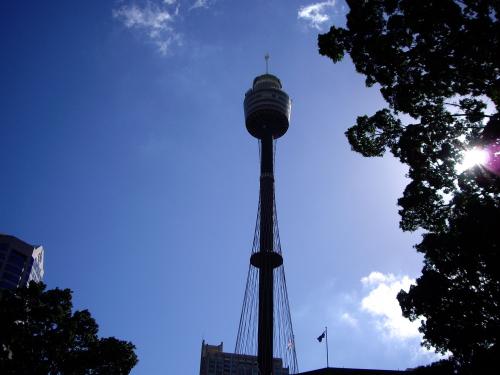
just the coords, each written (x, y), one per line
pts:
(154, 20)
(366, 317)
(316, 14)
(382, 304)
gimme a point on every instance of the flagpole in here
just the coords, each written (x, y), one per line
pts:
(326, 336)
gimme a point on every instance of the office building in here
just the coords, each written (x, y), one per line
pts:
(20, 262)
(215, 362)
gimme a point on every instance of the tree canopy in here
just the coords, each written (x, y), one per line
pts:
(40, 335)
(438, 63)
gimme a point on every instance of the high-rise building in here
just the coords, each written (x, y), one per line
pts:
(215, 362)
(20, 262)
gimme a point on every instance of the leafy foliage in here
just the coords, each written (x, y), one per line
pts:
(39, 334)
(437, 61)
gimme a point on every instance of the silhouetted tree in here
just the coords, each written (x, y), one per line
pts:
(442, 367)
(437, 61)
(40, 335)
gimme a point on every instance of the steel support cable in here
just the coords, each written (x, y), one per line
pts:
(247, 325)
(242, 324)
(283, 338)
(246, 334)
(286, 330)
(288, 319)
(249, 300)
(285, 327)
(277, 331)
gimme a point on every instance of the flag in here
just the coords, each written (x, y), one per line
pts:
(322, 336)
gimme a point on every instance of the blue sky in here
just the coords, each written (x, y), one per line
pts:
(124, 153)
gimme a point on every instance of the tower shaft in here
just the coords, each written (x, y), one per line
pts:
(265, 325)
(266, 287)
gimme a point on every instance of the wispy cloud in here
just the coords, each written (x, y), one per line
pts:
(316, 14)
(154, 20)
(199, 4)
(349, 319)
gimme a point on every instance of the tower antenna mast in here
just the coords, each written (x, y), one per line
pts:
(265, 323)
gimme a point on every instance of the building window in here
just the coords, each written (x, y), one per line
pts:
(7, 285)
(14, 268)
(17, 258)
(10, 277)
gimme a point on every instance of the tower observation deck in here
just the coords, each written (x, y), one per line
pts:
(265, 327)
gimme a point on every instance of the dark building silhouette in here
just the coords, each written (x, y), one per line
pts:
(352, 371)
(20, 262)
(215, 362)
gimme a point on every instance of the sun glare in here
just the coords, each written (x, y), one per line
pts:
(472, 157)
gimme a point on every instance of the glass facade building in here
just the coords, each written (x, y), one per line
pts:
(20, 262)
(215, 362)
